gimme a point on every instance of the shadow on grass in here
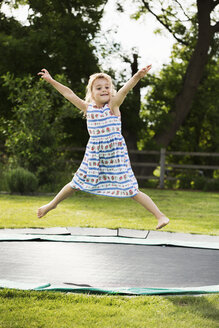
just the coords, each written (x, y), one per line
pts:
(198, 305)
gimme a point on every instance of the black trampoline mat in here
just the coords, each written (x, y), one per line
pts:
(108, 265)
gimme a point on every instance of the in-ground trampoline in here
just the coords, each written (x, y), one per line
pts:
(118, 261)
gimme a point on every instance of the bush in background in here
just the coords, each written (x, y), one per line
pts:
(21, 180)
(199, 183)
(212, 185)
(3, 183)
(184, 181)
(35, 134)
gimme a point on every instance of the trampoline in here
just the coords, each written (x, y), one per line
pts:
(120, 261)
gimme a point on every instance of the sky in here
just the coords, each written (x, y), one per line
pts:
(152, 48)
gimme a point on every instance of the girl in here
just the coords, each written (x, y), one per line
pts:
(105, 169)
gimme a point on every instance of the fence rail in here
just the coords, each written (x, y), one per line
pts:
(162, 162)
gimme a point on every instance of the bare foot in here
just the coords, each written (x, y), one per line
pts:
(44, 210)
(162, 222)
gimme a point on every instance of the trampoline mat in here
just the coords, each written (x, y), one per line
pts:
(108, 265)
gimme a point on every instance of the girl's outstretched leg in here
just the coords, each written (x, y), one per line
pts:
(148, 203)
(63, 194)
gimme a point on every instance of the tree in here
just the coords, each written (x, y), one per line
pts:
(51, 39)
(200, 37)
(132, 123)
(200, 130)
(57, 36)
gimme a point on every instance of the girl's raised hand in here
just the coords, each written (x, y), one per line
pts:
(45, 75)
(142, 72)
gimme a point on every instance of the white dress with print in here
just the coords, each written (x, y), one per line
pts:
(105, 169)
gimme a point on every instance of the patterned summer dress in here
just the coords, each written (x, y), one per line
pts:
(105, 169)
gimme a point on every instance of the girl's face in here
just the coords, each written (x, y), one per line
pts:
(101, 91)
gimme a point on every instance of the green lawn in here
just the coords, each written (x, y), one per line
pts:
(194, 212)
(54, 310)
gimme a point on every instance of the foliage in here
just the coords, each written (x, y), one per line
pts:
(21, 180)
(57, 35)
(160, 98)
(35, 133)
(193, 181)
(3, 184)
(189, 82)
(201, 129)
(51, 38)
(212, 185)
(199, 183)
(184, 181)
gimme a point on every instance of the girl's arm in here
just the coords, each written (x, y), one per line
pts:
(65, 91)
(122, 93)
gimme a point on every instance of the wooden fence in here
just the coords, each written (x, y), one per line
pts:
(164, 166)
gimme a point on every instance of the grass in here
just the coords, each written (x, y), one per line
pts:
(54, 310)
(194, 212)
(190, 212)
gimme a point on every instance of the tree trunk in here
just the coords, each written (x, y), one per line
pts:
(194, 72)
(131, 113)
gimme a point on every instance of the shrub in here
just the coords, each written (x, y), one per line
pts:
(148, 183)
(3, 183)
(212, 185)
(36, 133)
(199, 183)
(21, 180)
(184, 181)
(170, 184)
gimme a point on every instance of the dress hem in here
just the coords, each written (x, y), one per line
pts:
(91, 192)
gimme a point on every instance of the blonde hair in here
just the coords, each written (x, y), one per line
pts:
(94, 77)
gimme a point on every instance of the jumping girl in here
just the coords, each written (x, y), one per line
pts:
(105, 169)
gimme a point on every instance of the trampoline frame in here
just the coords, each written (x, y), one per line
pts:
(110, 236)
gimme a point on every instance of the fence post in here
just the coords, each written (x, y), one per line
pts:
(162, 166)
